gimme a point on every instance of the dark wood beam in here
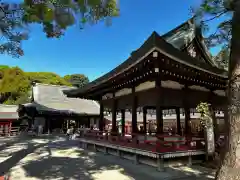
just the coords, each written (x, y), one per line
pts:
(159, 113)
(114, 116)
(178, 121)
(101, 118)
(134, 112)
(123, 121)
(145, 119)
(186, 110)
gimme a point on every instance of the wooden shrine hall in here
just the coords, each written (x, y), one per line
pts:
(172, 71)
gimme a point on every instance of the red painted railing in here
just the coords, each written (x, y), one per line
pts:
(161, 144)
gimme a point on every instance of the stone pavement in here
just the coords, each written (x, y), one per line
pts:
(54, 158)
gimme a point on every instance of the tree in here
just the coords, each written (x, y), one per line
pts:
(222, 58)
(77, 80)
(11, 38)
(47, 78)
(55, 16)
(227, 34)
(15, 84)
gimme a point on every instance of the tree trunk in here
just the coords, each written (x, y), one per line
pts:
(230, 166)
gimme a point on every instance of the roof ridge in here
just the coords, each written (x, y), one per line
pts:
(8, 105)
(43, 84)
(170, 32)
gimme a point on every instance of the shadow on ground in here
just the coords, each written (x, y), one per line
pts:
(87, 165)
(9, 141)
(6, 165)
(67, 161)
(24, 145)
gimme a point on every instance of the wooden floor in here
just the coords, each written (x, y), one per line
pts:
(139, 155)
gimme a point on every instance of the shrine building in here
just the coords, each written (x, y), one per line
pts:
(172, 71)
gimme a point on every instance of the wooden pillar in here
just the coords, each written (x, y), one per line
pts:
(159, 98)
(123, 121)
(46, 127)
(88, 122)
(49, 125)
(145, 119)
(187, 119)
(101, 118)
(114, 116)
(33, 121)
(178, 121)
(159, 114)
(186, 110)
(134, 112)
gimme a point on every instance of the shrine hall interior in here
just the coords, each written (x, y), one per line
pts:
(171, 71)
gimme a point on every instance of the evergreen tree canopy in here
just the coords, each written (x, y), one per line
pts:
(55, 16)
(216, 11)
(227, 34)
(77, 80)
(47, 78)
(15, 84)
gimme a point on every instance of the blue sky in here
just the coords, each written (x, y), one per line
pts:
(98, 49)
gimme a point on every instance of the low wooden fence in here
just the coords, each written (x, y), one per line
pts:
(142, 150)
(12, 131)
(157, 143)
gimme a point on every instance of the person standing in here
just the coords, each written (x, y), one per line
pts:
(40, 129)
(70, 133)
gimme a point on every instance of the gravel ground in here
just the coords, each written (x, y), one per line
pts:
(54, 158)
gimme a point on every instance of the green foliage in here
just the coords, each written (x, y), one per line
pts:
(12, 29)
(206, 116)
(14, 80)
(203, 109)
(223, 57)
(15, 84)
(67, 78)
(55, 16)
(215, 10)
(3, 67)
(77, 80)
(47, 78)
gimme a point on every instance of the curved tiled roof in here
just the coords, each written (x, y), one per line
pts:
(171, 43)
(52, 98)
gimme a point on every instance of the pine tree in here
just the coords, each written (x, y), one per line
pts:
(228, 35)
(55, 16)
